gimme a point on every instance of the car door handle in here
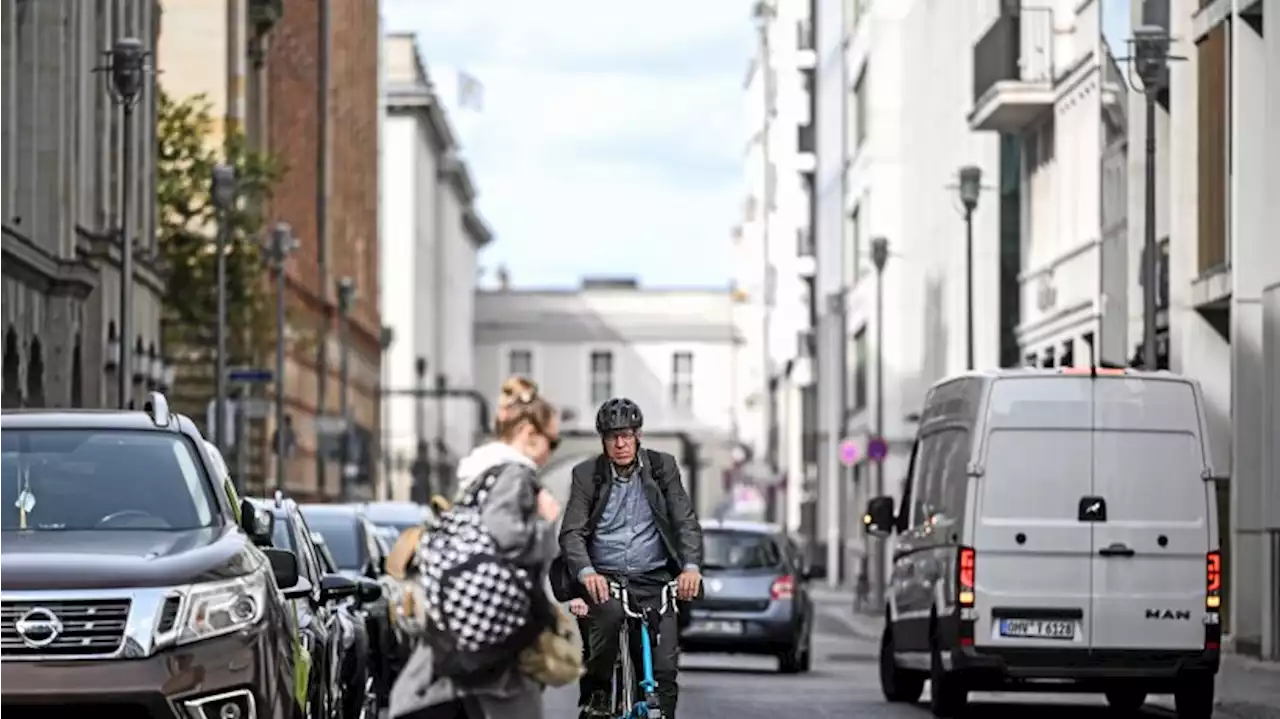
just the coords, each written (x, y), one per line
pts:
(1117, 549)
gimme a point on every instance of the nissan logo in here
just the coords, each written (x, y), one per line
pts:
(38, 627)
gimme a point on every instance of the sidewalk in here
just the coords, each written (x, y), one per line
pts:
(1247, 688)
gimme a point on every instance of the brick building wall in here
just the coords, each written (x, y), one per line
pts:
(293, 82)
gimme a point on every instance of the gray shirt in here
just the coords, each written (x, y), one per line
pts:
(626, 539)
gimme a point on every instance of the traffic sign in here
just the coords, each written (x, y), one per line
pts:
(249, 375)
(877, 449)
(330, 424)
(848, 452)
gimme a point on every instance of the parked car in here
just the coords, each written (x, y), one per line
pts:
(755, 596)
(1061, 526)
(392, 518)
(362, 616)
(338, 678)
(131, 582)
(352, 541)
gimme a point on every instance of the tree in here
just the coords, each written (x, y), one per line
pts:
(188, 227)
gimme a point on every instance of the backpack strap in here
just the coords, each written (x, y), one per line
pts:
(654, 458)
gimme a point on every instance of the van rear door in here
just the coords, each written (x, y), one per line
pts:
(1032, 554)
(1148, 459)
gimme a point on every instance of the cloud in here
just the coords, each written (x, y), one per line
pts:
(611, 137)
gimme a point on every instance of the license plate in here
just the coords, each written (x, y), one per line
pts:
(716, 626)
(1037, 629)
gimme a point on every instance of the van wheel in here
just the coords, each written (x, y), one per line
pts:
(948, 696)
(1193, 697)
(1126, 700)
(900, 686)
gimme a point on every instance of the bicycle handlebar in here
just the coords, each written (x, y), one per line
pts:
(619, 592)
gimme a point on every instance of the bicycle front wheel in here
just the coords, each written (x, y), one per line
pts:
(624, 678)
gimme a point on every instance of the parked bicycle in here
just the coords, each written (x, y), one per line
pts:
(625, 704)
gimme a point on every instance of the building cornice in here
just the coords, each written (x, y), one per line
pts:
(454, 170)
(476, 228)
(421, 100)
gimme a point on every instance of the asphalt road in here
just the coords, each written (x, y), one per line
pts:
(843, 684)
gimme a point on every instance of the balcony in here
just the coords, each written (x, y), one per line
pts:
(1013, 72)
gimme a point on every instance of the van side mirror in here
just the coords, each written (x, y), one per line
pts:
(284, 565)
(879, 518)
(259, 524)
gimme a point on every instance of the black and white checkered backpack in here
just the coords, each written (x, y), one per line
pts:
(479, 606)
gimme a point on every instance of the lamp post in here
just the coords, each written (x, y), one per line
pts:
(763, 13)
(420, 469)
(282, 244)
(224, 197)
(126, 67)
(879, 257)
(346, 295)
(1151, 63)
(970, 189)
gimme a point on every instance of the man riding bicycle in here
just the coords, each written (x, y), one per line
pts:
(629, 520)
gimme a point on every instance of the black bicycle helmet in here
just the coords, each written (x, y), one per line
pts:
(617, 414)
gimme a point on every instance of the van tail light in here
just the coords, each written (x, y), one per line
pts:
(784, 587)
(965, 582)
(1212, 601)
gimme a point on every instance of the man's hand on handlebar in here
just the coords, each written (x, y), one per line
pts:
(687, 584)
(597, 588)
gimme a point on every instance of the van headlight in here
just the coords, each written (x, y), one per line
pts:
(223, 607)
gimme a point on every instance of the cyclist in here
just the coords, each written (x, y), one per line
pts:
(628, 519)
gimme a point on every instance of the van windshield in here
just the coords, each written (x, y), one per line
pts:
(102, 479)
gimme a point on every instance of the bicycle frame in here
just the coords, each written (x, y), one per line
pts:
(623, 701)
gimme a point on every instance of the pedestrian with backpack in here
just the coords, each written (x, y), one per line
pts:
(628, 518)
(483, 567)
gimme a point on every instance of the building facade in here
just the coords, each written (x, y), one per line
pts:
(62, 179)
(671, 351)
(432, 234)
(774, 256)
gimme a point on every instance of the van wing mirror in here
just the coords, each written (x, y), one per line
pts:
(879, 518)
(258, 523)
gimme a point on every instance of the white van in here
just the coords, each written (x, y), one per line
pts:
(1058, 533)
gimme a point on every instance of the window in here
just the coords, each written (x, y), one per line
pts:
(342, 535)
(71, 479)
(860, 399)
(854, 256)
(682, 380)
(601, 377)
(1032, 360)
(860, 110)
(520, 362)
(1068, 354)
(941, 476)
(739, 550)
(1049, 360)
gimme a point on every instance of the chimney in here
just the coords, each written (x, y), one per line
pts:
(504, 278)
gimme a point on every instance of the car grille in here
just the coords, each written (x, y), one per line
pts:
(732, 605)
(89, 627)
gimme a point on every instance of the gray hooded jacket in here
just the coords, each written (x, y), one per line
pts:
(510, 514)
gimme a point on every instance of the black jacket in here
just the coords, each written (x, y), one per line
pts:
(672, 510)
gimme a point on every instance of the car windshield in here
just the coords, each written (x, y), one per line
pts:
(77, 479)
(341, 536)
(739, 550)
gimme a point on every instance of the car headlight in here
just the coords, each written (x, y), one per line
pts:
(223, 607)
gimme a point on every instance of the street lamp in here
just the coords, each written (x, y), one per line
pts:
(421, 469)
(1150, 61)
(970, 189)
(126, 67)
(346, 295)
(879, 258)
(281, 245)
(223, 192)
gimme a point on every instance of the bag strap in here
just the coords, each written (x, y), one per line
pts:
(471, 497)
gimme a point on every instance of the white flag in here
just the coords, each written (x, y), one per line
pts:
(470, 92)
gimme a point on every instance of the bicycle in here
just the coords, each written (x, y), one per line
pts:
(624, 704)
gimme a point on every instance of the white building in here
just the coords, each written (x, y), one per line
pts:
(779, 162)
(430, 238)
(671, 351)
(1045, 78)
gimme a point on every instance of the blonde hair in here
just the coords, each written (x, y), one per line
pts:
(520, 402)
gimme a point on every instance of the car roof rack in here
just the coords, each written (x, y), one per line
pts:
(157, 408)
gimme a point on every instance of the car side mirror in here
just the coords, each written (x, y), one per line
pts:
(300, 589)
(369, 591)
(284, 565)
(879, 518)
(335, 586)
(259, 524)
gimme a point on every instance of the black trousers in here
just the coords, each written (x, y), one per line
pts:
(603, 626)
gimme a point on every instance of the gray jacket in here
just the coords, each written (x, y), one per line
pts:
(510, 514)
(672, 510)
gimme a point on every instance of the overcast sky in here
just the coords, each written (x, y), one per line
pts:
(611, 136)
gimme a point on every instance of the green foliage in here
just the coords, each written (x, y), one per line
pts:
(188, 227)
